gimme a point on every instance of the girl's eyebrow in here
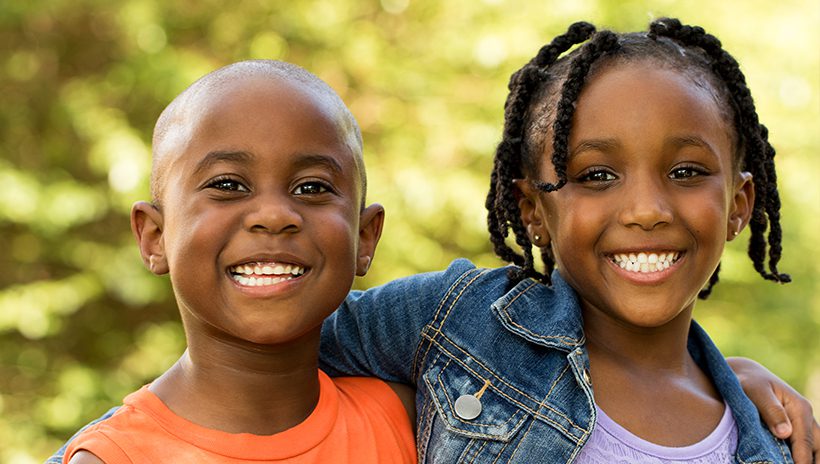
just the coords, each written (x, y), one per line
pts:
(221, 155)
(603, 145)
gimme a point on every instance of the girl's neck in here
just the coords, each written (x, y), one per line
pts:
(637, 348)
(646, 381)
(236, 387)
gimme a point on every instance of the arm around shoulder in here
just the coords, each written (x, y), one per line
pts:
(377, 332)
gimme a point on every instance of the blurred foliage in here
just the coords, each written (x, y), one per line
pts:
(82, 82)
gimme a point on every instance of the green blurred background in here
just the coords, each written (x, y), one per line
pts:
(82, 82)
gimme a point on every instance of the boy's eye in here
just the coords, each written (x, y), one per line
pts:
(311, 188)
(228, 185)
(686, 172)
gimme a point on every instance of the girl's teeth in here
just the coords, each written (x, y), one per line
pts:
(645, 262)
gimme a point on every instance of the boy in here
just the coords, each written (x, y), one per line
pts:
(258, 215)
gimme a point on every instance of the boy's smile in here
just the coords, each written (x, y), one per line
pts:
(260, 211)
(651, 198)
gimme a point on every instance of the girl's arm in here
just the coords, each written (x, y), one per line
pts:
(377, 332)
(787, 413)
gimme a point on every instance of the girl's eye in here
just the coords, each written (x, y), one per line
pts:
(228, 185)
(311, 188)
(686, 172)
(597, 175)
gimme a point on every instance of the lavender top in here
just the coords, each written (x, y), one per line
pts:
(611, 443)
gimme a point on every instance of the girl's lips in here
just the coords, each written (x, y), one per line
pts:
(645, 262)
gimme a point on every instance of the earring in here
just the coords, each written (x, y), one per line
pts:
(536, 238)
(735, 233)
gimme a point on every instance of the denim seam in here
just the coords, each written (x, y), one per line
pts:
(557, 379)
(568, 340)
(426, 426)
(511, 387)
(451, 407)
(521, 440)
(467, 456)
(453, 287)
(501, 452)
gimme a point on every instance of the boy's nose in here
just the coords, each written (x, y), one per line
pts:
(645, 205)
(272, 214)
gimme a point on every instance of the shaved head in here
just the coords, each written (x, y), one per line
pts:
(175, 125)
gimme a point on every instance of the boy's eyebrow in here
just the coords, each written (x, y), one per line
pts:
(313, 159)
(221, 155)
(302, 160)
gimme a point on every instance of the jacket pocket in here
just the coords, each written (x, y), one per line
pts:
(447, 380)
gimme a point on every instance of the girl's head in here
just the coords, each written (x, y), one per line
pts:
(602, 151)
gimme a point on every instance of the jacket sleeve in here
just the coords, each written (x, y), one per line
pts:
(378, 332)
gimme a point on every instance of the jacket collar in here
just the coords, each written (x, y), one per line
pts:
(548, 316)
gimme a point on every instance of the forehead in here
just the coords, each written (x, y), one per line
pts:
(637, 96)
(258, 115)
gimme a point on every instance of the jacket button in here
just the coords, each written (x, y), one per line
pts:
(468, 407)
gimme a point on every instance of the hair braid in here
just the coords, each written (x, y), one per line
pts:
(758, 153)
(501, 203)
(603, 42)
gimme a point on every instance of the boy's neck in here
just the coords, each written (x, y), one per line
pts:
(238, 388)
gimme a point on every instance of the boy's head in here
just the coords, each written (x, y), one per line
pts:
(258, 214)
(173, 123)
(539, 116)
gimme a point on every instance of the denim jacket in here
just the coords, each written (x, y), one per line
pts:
(450, 333)
(518, 349)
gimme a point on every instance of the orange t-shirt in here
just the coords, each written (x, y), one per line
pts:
(357, 420)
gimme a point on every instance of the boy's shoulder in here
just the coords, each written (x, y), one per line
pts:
(346, 416)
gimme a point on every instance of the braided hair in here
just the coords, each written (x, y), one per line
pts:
(541, 104)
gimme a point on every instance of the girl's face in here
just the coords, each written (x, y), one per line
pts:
(651, 197)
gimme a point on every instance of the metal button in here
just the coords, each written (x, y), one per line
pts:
(468, 407)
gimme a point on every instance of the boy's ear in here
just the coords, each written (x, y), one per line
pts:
(146, 224)
(527, 196)
(371, 221)
(742, 204)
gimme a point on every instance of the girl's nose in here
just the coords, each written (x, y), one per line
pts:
(273, 214)
(645, 205)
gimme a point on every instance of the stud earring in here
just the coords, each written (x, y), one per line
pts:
(735, 233)
(536, 238)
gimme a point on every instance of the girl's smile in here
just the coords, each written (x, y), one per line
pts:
(647, 267)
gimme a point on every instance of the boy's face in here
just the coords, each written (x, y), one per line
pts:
(650, 179)
(261, 227)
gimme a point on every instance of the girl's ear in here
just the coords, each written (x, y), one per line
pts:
(531, 214)
(371, 221)
(146, 224)
(742, 204)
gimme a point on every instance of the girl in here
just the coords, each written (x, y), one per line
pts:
(628, 163)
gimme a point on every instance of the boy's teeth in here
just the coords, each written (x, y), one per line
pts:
(645, 262)
(259, 274)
